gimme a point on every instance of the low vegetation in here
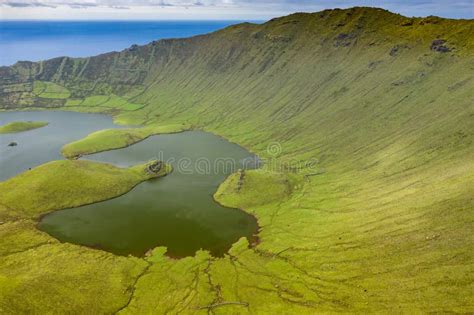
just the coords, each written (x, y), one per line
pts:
(29, 286)
(114, 139)
(19, 126)
(43, 189)
(105, 102)
(46, 89)
(247, 189)
(383, 103)
(36, 277)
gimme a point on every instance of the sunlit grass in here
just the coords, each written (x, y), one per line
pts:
(19, 126)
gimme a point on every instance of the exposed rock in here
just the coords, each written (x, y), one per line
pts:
(343, 36)
(439, 46)
(134, 47)
(12, 144)
(155, 167)
(241, 179)
(438, 42)
(344, 39)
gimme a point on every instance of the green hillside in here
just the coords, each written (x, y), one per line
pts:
(366, 120)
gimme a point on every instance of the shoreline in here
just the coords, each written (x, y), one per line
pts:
(255, 241)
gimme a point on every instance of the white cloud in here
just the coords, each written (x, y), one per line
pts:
(214, 9)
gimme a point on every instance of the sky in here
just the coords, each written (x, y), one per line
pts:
(213, 9)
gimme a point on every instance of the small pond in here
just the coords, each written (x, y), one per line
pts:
(176, 211)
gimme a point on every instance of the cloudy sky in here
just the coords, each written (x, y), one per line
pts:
(214, 9)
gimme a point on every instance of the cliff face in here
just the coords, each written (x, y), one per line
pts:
(246, 52)
(330, 80)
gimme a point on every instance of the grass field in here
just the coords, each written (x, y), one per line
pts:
(381, 223)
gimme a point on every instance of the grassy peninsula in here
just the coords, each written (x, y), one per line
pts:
(109, 139)
(42, 189)
(19, 126)
(383, 102)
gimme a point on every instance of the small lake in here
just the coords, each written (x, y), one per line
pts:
(176, 211)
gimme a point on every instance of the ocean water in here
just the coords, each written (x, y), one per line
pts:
(40, 40)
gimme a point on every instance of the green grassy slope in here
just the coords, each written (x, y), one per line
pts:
(38, 274)
(383, 221)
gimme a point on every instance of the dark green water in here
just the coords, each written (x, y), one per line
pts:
(176, 211)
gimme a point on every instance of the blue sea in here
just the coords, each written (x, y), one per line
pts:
(40, 40)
